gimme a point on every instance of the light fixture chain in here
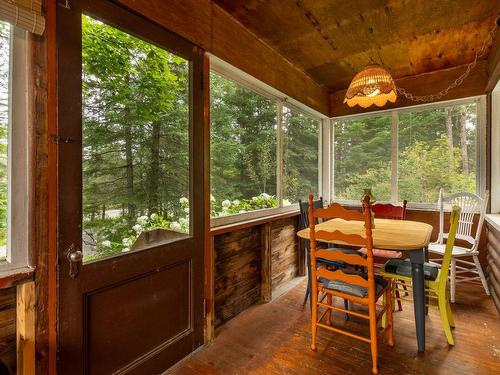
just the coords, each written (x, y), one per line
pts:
(460, 79)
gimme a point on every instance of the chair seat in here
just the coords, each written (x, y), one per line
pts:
(402, 267)
(351, 289)
(438, 248)
(379, 253)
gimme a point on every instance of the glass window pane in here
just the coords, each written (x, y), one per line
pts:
(135, 143)
(300, 153)
(243, 148)
(5, 42)
(362, 158)
(437, 149)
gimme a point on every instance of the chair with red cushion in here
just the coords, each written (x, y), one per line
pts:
(388, 211)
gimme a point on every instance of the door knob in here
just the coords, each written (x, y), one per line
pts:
(75, 257)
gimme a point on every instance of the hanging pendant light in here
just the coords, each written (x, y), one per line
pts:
(373, 85)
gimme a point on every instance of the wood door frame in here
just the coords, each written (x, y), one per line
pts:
(199, 117)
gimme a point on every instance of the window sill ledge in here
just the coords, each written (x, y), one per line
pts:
(214, 231)
(493, 220)
(10, 278)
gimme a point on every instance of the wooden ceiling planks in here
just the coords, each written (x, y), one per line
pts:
(332, 40)
(212, 28)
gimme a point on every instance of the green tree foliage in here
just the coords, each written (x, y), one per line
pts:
(300, 152)
(4, 126)
(243, 141)
(431, 156)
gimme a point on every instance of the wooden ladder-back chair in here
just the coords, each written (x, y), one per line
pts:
(470, 204)
(358, 287)
(304, 222)
(395, 212)
(436, 283)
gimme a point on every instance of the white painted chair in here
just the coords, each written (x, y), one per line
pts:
(469, 204)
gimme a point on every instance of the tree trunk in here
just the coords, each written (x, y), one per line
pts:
(449, 134)
(130, 173)
(154, 173)
(463, 140)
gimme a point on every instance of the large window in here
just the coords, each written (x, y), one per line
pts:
(362, 157)
(264, 153)
(408, 154)
(13, 150)
(135, 142)
(4, 134)
(300, 155)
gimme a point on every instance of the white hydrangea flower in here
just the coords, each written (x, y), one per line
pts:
(286, 202)
(142, 220)
(183, 200)
(125, 249)
(137, 228)
(186, 210)
(236, 202)
(254, 198)
(106, 244)
(265, 196)
(153, 216)
(242, 211)
(226, 203)
(126, 242)
(175, 225)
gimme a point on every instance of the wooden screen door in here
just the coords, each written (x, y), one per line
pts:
(130, 192)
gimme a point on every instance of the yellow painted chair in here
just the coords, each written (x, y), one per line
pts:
(436, 284)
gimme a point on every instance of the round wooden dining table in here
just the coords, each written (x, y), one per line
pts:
(411, 237)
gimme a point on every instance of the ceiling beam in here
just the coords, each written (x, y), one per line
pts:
(494, 63)
(423, 84)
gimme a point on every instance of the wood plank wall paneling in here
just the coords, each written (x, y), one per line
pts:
(213, 29)
(251, 263)
(493, 260)
(284, 250)
(237, 272)
(8, 330)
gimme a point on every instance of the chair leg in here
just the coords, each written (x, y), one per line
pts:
(405, 288)
(373, 337)
(400, 307)
(383, 321)
(481, 274)
(308, 264)
(443, 310)
(329, 313)
(346, 307)
(451, 321)
(453, 278)
(308, 292)
(314, 317)
(390, 321)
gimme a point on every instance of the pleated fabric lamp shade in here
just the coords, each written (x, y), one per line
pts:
(371, 86)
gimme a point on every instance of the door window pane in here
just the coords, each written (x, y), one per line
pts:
(135, 143)
(300, 153)
(4, 132)
(243, 148)
(362, 158)
(437, 149)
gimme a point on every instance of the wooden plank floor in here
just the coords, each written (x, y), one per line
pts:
(274, 338)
